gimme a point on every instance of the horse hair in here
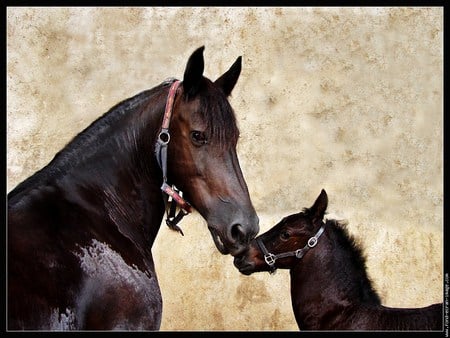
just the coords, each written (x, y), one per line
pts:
(351, 246)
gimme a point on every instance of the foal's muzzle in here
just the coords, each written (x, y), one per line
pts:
(245, 267)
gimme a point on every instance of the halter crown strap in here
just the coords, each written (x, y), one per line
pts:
(270, 258)
(169, 105)
(161, 157)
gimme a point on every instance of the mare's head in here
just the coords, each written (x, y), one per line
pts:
(288, 241)
(202, 159)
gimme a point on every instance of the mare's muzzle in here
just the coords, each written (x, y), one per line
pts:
(235, 239)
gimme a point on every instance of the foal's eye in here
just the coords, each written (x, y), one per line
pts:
(198, 137)
(285, 235)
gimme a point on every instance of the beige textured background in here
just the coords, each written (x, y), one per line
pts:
(346, 99)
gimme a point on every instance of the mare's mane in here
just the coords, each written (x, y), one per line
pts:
(85, 142)
(86, 139)
(215, 109)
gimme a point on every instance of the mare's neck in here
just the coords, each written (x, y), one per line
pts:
(109, 171)
(330, 283)
(125, 172)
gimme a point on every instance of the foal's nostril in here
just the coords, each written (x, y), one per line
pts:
(239, 261)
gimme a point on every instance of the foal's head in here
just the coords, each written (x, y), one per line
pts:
(287, 242)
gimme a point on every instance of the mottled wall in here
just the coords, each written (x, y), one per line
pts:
(346, 99)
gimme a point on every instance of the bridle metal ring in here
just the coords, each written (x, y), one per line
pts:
(164, 137)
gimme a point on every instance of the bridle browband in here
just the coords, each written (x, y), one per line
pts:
(270, 258)
(161, 156)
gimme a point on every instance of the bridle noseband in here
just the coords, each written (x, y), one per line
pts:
(270, 258)
(161, 156)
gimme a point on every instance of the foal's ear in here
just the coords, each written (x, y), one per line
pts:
(228, 79)
(320, 206)
(194, 72)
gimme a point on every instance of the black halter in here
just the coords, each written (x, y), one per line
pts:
(270, 258)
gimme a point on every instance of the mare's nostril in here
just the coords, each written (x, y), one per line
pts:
(238, 233)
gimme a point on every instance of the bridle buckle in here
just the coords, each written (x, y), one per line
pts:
(312, 242)
(270, 259)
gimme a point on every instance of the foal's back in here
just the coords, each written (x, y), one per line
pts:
(400, 319)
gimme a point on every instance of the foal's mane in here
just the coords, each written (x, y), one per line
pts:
(350, 245)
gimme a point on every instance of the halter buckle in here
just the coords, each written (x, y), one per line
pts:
(270, 259)
(312, 242)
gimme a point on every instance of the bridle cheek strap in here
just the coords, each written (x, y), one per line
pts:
(161, 156)
(271, 258)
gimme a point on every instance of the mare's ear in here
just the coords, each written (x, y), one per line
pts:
(228, 79)
(317, 211)
(193, 73)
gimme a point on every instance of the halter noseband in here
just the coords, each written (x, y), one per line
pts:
(161, 156)
(270, 258)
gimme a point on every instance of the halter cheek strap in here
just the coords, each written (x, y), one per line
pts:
(270, 258)
(161, 156)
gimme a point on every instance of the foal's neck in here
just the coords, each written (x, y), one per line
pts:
(330, 282)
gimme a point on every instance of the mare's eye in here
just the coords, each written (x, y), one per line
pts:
(198, 137)
(285, 235)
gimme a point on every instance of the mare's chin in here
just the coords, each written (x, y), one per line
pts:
(218, 242)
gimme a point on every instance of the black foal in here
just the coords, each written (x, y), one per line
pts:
(330, 289)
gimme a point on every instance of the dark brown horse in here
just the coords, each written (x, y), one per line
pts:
(330, 289)
(81, 230)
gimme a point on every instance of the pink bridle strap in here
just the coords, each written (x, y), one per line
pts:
(169, 105)
(161, 156)
(176, 197)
